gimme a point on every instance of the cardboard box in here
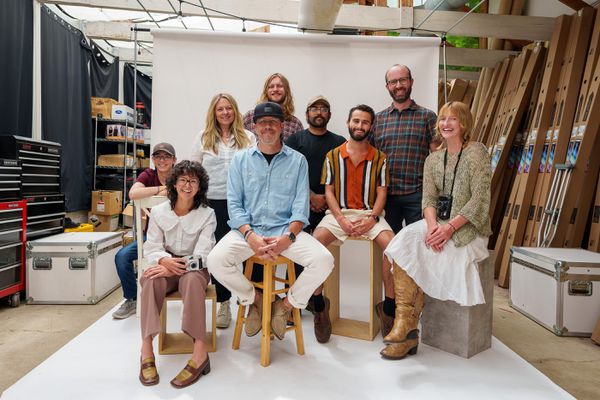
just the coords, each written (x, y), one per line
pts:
(104, 223)
(143, 162)
(122, 112)
(115, 160)
(128, 220)
(102, 107)
(107, 202)
(596, 333)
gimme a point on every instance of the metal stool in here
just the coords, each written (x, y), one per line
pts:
(268, 288)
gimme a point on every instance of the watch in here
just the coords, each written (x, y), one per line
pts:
(291, 235)
(375, 217)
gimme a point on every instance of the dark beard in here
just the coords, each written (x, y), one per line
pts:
(312, 122)
(402, 99)
(357, 138)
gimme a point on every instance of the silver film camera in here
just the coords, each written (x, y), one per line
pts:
(193, 263)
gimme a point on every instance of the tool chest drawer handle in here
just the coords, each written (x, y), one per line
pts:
(44, 263)
(78, 263)
(11, 266)
(8, 246)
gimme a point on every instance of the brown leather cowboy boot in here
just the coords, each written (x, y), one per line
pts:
(397, 351)
(409, 304)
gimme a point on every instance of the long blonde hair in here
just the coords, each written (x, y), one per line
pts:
(461, 111)
(288, 100)
(212, 130)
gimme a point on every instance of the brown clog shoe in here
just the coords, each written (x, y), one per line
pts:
(148, 372)
(191, 373)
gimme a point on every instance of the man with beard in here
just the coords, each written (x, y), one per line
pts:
(267, 200)
(314, 143)
(355, 176)
(405, 132)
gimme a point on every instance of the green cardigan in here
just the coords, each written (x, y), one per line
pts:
(471, 196)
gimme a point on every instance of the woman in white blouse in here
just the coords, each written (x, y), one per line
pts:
(184, 226)
(214, 147)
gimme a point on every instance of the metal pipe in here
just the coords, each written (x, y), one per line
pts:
(466, 15)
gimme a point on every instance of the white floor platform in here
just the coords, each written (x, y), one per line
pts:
(103, 362)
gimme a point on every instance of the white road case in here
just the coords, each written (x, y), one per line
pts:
(558, 288)
(72, 268)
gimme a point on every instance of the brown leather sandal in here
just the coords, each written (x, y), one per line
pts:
(191, 373)
(148, 372)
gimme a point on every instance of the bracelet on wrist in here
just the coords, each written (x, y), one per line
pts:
(453, 227)
(248, 233)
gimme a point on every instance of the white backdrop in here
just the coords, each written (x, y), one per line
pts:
(191, 67)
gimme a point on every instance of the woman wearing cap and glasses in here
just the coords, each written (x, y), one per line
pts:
(182, 227)
(214, 147)
(149, 183)
(438, 255)
(277, 90)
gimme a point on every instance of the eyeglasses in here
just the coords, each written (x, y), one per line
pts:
(313, 109)
(264, 122)
(402, 81)
(184, 181)
(165, 157)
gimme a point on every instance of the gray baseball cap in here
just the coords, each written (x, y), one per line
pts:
(166, 147)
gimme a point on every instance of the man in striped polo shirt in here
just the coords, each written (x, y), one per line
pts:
(355, 176)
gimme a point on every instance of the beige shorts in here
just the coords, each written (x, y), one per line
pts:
(329, 222)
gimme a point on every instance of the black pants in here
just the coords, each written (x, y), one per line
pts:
(220, 207)
(403, 209)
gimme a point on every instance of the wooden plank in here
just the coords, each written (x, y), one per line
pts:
(594, 238)
(515, 220)
(468, 97)
(558, 136)
(458, 88)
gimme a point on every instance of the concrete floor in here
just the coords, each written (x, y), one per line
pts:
(31, 333)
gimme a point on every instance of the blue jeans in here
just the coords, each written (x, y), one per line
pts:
(124, 262)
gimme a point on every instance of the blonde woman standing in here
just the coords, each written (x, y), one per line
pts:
(214, 147)
(277, 90)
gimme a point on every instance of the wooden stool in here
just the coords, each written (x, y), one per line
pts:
(365, 330)
(181, 343)
(268, 295)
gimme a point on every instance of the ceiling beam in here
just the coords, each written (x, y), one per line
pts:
(352, 16)
(454, 55)
(474, 57)
(465, 75)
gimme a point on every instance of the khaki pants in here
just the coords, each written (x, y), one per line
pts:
(224, 264)
(192, 286)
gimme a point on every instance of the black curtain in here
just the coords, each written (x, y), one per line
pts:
(66, 107)
(104, 74)
(144, 90)
(16, 67)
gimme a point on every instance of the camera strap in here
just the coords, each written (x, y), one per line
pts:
(453, 173)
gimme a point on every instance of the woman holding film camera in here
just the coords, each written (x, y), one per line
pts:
(438, 255)
(180, 236)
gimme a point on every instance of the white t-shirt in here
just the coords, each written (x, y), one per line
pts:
(217, 165)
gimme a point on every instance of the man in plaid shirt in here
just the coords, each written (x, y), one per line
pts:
(405, 132)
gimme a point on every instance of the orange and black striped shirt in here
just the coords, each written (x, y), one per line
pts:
(355, 186)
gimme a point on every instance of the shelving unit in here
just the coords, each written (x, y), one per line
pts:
(109, 177)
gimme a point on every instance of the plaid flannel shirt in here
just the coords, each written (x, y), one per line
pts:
(405, 138)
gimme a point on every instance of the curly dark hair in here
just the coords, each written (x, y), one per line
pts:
(190, 168)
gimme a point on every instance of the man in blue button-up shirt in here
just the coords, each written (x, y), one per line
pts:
(268, 202)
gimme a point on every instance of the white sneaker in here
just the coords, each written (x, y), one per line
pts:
(223, 315)
(127, 309)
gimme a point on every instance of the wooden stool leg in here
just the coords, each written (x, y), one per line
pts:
(163, 327)
(239, 324)
(265, 345)
(291, 270)
(376, 287)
